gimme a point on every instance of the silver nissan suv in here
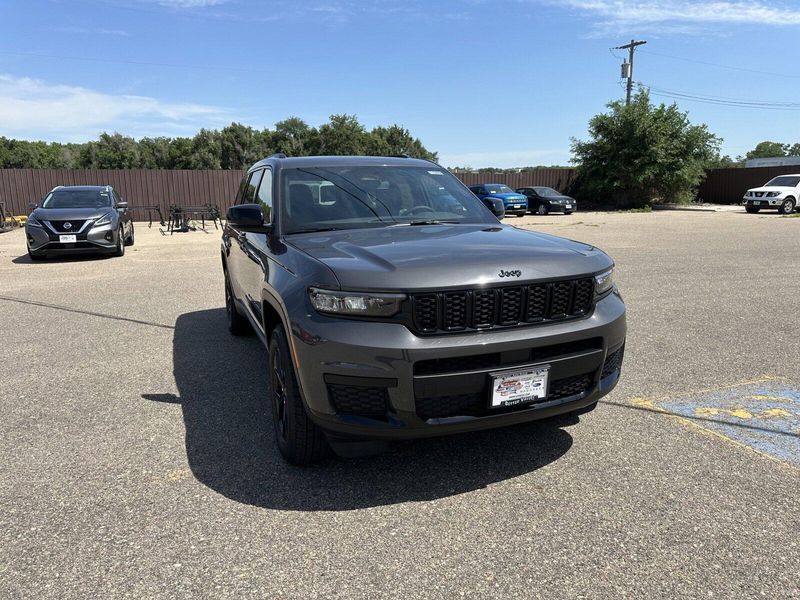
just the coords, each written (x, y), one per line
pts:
(79, 219)
(395, 305)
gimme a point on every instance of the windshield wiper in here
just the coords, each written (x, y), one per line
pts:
(313, 230)
(425, 222)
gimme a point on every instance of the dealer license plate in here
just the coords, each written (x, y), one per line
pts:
(67, 239)
(510, 388)
(569, 206)
(517, 205)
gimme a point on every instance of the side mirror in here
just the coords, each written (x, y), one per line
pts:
(122, 205)
(246, 215)
(496, 206)
(33, 205)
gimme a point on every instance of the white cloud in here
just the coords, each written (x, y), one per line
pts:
(506, 159)
(34, 109)
(617, 16)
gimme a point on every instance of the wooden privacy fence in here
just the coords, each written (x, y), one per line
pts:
(727, 186)
(141, 187)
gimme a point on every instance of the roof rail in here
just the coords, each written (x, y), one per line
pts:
(277, 155)
(400, 156)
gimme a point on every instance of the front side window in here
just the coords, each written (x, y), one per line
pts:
(546, 191)
(355, 197)
(249, 195)
(264, 195)
(66, 198)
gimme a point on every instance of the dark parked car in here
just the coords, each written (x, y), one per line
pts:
(543, 200)
(396, 306)
(513, 202)
(77, 219)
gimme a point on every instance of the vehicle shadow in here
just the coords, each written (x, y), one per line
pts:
(24, 259)
(222, 383)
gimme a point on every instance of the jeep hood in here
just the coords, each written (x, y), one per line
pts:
(446, 256)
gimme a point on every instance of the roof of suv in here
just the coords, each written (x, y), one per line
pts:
(340, 161)
(81, 187)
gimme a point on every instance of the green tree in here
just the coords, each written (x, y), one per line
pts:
(342, 135)
(111, 151)
(294, 137)
(206, 152)
(794, 150)
(393, 140)
(238, 146)
(768, 150)
(641, 153)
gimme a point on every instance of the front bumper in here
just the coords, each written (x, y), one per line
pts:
(439, 385)
(559, 207)
(43, 240)
(763, 202)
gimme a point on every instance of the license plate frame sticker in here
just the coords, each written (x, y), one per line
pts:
(520, 386)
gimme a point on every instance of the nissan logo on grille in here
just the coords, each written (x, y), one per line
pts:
(67, 225)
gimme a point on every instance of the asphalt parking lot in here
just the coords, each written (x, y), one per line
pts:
(138, 458)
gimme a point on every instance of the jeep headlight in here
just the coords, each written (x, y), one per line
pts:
(604, 282)
(104, 220)
(363, 304)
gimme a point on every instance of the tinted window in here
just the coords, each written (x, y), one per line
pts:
(249, 195)
(72, 198)
(785, 181)
(546, 191)
(499, 189)
(375, 196)
(264, 195)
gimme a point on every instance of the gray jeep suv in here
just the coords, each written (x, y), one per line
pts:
(395, 305)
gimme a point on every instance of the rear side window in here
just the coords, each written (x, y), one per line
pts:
(264, 195)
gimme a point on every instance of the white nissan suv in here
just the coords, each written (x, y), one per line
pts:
(781, 192)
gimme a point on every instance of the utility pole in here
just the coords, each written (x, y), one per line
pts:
(627, 68)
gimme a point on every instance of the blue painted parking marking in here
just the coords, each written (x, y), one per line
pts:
(764, 416)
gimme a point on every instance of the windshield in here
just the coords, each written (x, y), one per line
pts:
(353, 197)
(77, 199)
(546, 191)
(497, 188)
(785, 181)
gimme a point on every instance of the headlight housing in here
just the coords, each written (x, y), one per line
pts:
(363, 304)
(773, 194)
(604, 282)
(104, 220)
(34, 222)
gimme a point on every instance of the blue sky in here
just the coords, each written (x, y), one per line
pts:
(483, 82)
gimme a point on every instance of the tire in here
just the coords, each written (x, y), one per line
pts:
(787, 207)
(520, 214)
(237, 324)
(567, 212)
(542, 209)
(120, 250)
(299, 440)
(752, 209)
(131, 238)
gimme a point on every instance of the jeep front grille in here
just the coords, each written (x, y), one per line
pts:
(506, 306)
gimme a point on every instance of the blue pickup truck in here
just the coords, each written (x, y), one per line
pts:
(514, 202)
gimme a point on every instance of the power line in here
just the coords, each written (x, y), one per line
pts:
(721, 66)
(720, 100)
